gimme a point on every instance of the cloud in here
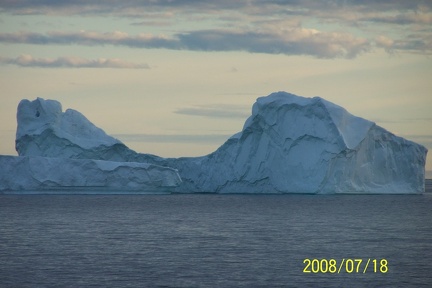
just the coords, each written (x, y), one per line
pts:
(391, 11)
(425, 140)
(26, 60)
(291, 41)
(89, 38)
(124, 7)
(178, 138)
(216, 111)
(400, 19)
(261, 26)
(414, 43)
(400, 12)
(384, 42)
(158, 23)
(404, 120)
(133, 7)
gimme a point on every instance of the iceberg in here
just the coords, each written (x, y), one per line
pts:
(290, 144)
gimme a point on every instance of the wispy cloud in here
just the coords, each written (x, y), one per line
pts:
(129, 7)
(125, 7)
(216, 111)
(400, 19)
(425, 140)
(403, 120)
(26, 60)
(177, 138)
(90, 38)
(295, 41)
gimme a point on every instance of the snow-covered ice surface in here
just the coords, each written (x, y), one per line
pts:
(289, 144)
(62, 174)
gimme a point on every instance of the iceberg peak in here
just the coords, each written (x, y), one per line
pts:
(352, 129)
(42, 126)
(33, 117)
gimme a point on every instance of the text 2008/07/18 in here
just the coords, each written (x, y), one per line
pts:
(345, 266)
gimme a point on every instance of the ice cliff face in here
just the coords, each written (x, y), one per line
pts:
(45, 173)
(289, 144)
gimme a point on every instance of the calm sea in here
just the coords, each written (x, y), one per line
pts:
(215, 240)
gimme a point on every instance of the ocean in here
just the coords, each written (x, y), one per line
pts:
(200, 240)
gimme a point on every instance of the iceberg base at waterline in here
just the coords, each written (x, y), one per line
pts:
(27, 173)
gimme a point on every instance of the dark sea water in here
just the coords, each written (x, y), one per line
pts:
(213, 240)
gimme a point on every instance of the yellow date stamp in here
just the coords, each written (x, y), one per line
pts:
(349, 265)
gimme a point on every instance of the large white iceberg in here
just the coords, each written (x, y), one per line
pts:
(289, 144)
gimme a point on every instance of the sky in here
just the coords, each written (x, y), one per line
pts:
(177, 78)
